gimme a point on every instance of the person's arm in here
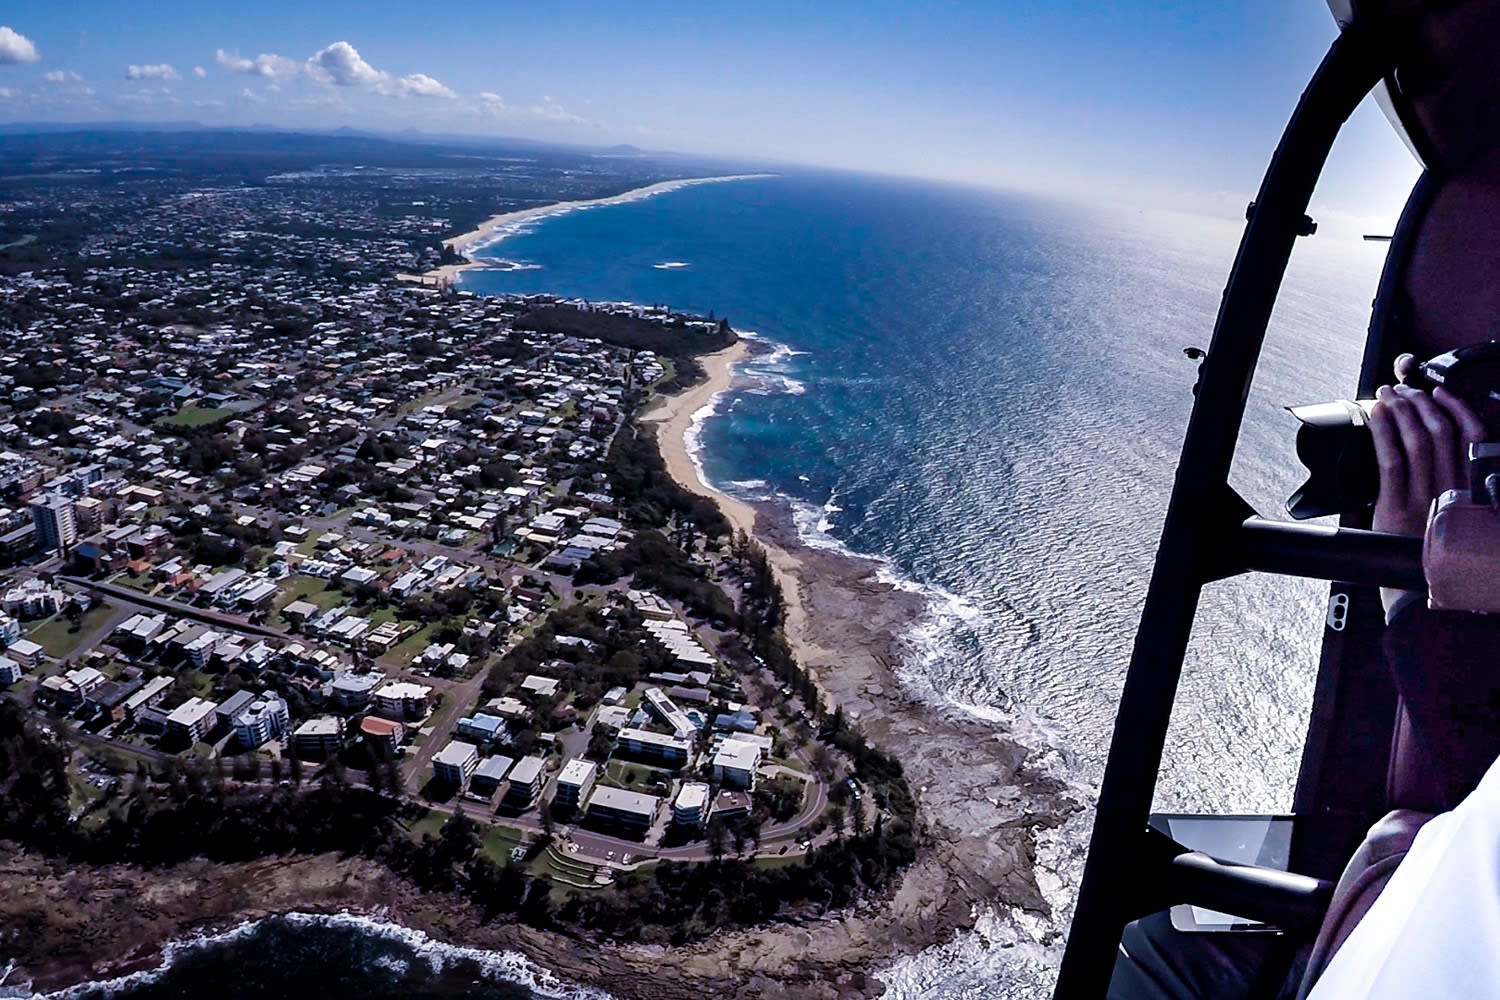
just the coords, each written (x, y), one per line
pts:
(1441, 661)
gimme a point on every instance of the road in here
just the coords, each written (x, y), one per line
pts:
(125, 595)
(458, 699)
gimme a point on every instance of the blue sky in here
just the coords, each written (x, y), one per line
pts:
(1176, 104)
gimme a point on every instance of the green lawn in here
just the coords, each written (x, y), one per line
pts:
(499, 842)
(429, 824)
(307, 588)
(790, 763)
(380, 616)
(193, 415)
(408, 649)
(773, 861)
(309, 545)
(59, 637)
(465, 402)
(615, 773)
(669, 371)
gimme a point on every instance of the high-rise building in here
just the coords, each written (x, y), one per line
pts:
(56, 526)
(265, 719)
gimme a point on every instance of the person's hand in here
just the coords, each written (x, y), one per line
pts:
(1422, 449)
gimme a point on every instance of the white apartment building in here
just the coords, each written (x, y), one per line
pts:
(456, 763)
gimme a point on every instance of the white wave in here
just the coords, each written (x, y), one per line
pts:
(692, 440)
(766, 369)
(1009, 953)
(780, 354)
(506, 230)
(749, 484)
(762, 384)
(671, 265)
(390, 963)
(766, 351)
(505, 966)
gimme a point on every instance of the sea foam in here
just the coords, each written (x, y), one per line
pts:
(502, 966)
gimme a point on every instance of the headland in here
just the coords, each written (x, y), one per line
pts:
(983, 796)
(487, 232)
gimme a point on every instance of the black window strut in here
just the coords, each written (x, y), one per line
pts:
(1207, 534)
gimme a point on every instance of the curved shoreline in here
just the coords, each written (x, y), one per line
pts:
(983, 795)
(465, 244)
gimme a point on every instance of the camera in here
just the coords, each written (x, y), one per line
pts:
(1334, 441)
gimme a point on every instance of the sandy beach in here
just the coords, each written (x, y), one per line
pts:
(983, 796)
(674, 417)
(465, 243)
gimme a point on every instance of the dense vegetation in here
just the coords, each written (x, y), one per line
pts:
(195, 811)
(668, 340)
(648, 495)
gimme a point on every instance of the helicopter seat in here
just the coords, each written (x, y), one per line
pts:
(1410, 780)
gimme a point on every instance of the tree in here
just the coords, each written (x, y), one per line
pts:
(717, 839)
(838, 819)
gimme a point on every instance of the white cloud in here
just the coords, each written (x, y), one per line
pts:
(491, 103)
(554, 112)
(422, 85)
(249, 95)
(268, 65)
(16, 48)
(61, 76)
(9, 93)
(340, 65)
(208, 104)
(200, 72)
(152, 71)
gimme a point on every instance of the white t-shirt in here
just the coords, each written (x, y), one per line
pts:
(1435, 930)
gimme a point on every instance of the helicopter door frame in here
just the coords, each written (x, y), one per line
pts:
(1118, 884)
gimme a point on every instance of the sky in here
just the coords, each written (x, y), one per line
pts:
(1165, 104)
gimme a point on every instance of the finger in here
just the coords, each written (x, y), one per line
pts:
(1471, 429)
(1405, 365)
(1389, 457)
(1416, 446)
(1446, 464)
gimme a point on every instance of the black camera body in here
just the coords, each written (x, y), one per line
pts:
(1334, 441)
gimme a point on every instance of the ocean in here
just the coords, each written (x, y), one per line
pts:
(987, 392)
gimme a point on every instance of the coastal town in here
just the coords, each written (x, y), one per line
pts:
(331, 587)
(284, 525)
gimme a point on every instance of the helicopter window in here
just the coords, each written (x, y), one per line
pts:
(1254, 655)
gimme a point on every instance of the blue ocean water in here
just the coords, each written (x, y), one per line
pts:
(333, 957)
(987, 392)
